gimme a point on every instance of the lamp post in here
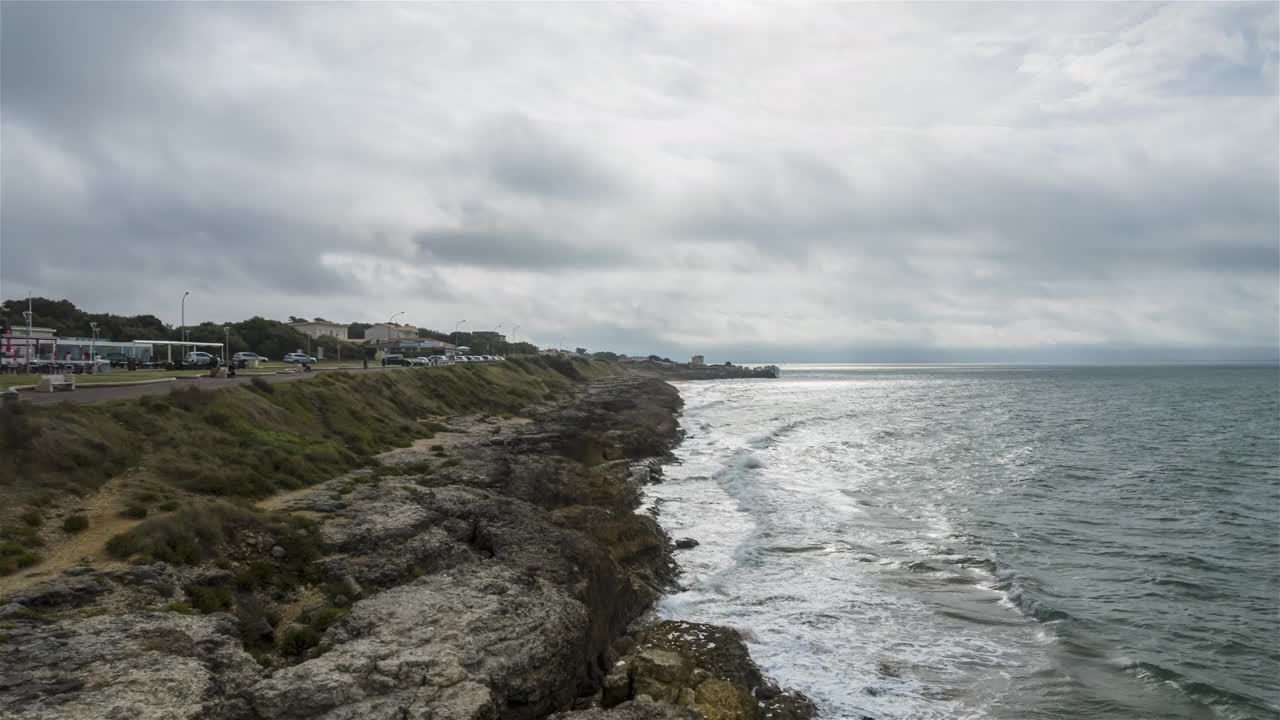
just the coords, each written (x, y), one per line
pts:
(455, 335)
(182, 334)
(514, 334)
(226, 342)
(93, 348)
(26, 346)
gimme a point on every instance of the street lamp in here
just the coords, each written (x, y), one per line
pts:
(182, 334)
(514, 334)
(26, 346)
(455, 334)
(226, 342)
(93, 348)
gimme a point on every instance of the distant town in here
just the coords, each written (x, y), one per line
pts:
(42, 335)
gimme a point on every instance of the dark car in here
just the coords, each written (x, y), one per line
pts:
(396, 360)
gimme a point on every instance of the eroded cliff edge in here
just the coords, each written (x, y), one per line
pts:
(491, 572)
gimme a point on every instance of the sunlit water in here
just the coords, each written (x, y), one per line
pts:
(994, 542)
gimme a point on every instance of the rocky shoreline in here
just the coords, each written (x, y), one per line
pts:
(495, 571)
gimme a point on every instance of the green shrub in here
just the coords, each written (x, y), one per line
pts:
(134, 510)
(322, 618)
(297, 641)
(451, 462)
(75, 523)
(32, 517)
(437, 448)
(17, 548)
(261, 385)
(209, 598)
(180, 607)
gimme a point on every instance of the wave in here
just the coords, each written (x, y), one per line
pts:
(1230, 702)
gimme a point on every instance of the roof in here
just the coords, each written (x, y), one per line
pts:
(318, 322)
(396, 325)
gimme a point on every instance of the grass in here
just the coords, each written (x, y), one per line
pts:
(245, 442)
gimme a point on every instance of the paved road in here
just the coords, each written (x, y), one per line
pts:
(87, 394)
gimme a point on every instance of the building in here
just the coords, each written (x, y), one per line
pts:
(490, 340)
(391, 331)
(44, 345)
(698, 361)
(320, 328)
(19, 346)
(416, 347)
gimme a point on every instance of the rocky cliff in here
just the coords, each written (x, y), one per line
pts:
(495, 571)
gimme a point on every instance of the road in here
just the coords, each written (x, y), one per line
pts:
(88, 394)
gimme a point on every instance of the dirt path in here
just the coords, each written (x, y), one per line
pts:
(64, 550)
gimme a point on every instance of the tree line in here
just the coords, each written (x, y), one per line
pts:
(271, 338)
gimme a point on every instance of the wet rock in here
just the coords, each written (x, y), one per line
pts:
(660, 674)
(635, 710)
(617, 685)
(706, 668)
(686, 544)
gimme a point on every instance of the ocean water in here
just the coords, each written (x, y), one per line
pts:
(991, 542)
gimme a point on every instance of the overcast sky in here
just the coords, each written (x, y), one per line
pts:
(778, 181)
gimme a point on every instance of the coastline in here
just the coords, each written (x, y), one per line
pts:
(497, 570)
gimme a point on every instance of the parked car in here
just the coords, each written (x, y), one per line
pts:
(396, 360)
(117, 359)
(197, 358)
(300, 358)
(423, 361)
(438, 360)
(246, 356)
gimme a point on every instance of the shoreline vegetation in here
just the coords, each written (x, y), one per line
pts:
(460, 543)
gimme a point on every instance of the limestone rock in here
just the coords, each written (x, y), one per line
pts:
(145, 666)
(446, 645)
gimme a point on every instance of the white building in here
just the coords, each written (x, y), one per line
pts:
(391, 331)
(320, 328)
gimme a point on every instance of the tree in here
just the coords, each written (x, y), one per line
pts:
(355, 330)
(580, 351)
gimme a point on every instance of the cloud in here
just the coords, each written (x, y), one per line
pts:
(755, 179)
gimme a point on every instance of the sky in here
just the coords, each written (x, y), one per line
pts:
(783, 181)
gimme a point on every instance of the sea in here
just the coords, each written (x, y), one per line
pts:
(1005, 542)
